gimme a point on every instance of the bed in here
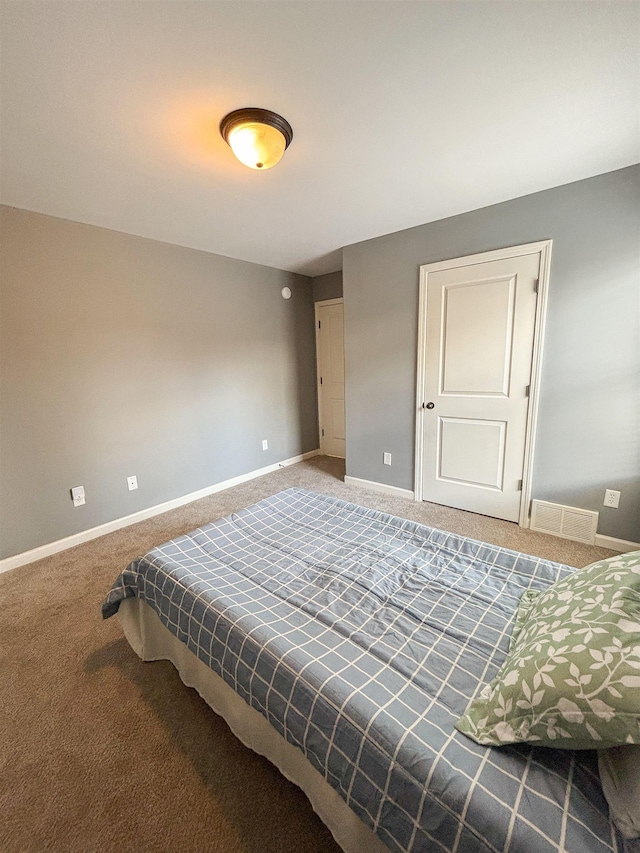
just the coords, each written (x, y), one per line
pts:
(344, 644)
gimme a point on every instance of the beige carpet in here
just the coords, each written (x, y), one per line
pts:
(101, 752)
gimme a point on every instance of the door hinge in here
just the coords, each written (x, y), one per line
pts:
(519, 487)
(321, 380)
(319, 323)
(322, 432)
(536, 285)
(527, 390)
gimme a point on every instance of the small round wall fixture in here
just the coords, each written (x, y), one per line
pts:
(257, 137)
(286, 292)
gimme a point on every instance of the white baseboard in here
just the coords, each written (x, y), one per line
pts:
(394, 491)
(621, 545)
(85, 535)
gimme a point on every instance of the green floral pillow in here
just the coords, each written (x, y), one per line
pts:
(572, 675)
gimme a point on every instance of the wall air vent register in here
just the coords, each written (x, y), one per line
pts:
(567, 522)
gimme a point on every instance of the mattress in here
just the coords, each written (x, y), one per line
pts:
(361, 638)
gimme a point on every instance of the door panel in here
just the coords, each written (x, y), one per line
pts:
(471, 451)
(330, 353)
(480, 324)
(337, 419)
(335, 324)
(477, 336)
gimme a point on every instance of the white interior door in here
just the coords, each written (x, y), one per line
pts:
(330, 355)
(480, 327)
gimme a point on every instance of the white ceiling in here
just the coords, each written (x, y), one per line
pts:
(403, 113)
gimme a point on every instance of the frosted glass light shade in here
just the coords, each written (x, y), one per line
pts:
(256, 145)
(257, 137)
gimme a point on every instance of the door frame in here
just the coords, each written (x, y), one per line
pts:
(543, 248)
(322, 304)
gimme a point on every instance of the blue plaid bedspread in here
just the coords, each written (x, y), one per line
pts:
(361, 638)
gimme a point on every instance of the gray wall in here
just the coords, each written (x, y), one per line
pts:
(328, 286)
(123, 356)
(589, 416)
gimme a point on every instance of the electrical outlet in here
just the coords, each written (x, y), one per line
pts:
(77, 495)
(265, 444)
(132, 482)
(611, 498)
(386, 459)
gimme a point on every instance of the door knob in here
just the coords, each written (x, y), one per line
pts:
(428, 405)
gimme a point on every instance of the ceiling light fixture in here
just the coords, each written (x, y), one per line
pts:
(257, 137)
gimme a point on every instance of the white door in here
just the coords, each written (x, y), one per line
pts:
(330, 355)
(480, 325)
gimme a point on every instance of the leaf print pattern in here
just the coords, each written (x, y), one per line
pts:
(572, 675)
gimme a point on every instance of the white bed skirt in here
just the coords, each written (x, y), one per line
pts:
(152, 641)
